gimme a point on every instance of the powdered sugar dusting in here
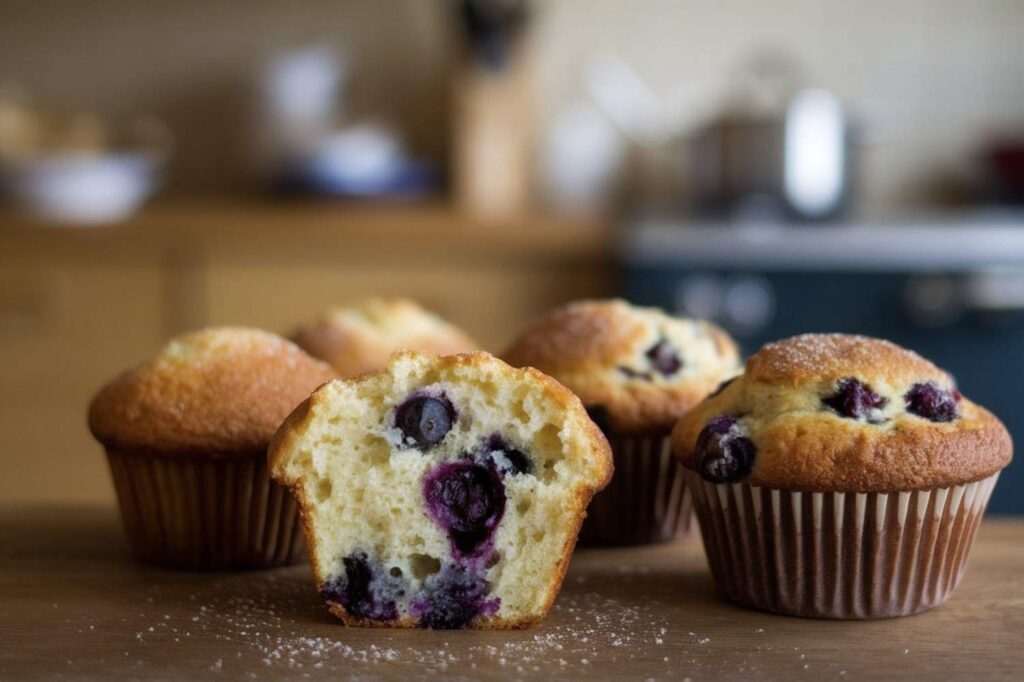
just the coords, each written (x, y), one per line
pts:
(80, 608)
(831, 355)
(586, 628)
(637, 613)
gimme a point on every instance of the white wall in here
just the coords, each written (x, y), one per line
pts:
(933, 78)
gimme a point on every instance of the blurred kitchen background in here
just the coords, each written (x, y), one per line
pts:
(780, 167)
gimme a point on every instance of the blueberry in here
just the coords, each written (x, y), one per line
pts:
(506, 458)
(467, 500)
(855, 399)
(599, 415)
(664, 358)
(724, 455)
(424, 420)
(931, 402)
(365, 591)
(452, 598)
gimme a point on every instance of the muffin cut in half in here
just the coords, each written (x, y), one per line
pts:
(441, 492)
(360, 338)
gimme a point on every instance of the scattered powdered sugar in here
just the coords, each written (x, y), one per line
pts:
(281, 624)
(275, 625)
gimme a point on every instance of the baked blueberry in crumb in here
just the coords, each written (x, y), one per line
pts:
(506, 458)
(724, 455)
(854, 399)
(933, 403)
(424, 420)
(452, 598)
(664, 358)
(467, 500)
(364, 590)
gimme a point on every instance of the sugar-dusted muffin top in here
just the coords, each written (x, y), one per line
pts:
(361, 338)
(636, 369)
(218, 392)
(834, 412)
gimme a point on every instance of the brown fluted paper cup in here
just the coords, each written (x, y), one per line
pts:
(645, 502)
(205, 514)
(838, 555)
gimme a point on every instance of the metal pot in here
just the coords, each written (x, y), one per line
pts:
(797, 164)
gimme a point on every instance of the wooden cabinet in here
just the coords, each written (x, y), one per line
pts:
(65, 329)
(77, 306)
(490, 302)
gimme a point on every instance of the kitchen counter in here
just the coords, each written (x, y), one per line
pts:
(324, 229)
(74, 605)
(945, 243)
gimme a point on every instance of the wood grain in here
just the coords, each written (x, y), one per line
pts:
(74, 604)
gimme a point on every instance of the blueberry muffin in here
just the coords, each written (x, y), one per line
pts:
(361, 338)
(186, 436)
(637, 370)
(442, 492)
(840, 477)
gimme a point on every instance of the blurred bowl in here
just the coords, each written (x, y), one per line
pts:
(82, 189)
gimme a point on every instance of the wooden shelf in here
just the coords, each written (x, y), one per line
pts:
(244, 225)
(74, 603)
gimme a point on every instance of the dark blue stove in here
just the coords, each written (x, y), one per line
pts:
(951, 290)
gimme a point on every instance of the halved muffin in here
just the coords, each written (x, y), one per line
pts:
(442, 492)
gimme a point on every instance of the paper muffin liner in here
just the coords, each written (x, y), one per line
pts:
(838, 555)
(204, 514)
(645, 502)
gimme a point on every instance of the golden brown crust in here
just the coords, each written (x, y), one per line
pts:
(803, 445)
(286, 439)
(218, 392)
(597, 349)
(360, 339)
(828, 357)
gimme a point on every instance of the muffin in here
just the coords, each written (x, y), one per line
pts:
(637, 370)
(360, 339)
(186, 436)
(442, 492)
(840, 477)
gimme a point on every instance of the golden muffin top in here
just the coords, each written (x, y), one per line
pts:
(636, 369)
(361, 338)
(835, 412)
(217, 392)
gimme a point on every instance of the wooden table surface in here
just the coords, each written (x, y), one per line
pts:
(74, 605)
